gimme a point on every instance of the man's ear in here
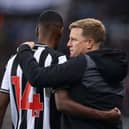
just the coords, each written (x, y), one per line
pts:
(62, 30)
(90, 43)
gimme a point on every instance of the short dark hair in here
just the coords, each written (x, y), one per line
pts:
(50, 17)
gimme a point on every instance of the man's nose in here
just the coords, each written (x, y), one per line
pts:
(68, 44)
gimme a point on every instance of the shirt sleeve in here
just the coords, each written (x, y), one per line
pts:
(53, 76)
(6, 82)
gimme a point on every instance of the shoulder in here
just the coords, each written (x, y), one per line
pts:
(56, 54)
(11, 60)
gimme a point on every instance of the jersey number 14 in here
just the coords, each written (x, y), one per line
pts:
(22, 101)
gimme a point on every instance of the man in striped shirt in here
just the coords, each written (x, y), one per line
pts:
(29, 105)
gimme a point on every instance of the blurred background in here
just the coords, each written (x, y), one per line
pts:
(18, 20)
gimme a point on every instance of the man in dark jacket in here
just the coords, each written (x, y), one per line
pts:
(96, 75)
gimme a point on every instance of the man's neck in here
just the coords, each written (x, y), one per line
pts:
(46, 42)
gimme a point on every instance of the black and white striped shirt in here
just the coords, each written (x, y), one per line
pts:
(29, 105)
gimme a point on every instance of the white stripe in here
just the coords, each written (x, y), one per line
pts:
(37, 54)
(62, 59)
(46, 124)
(48, 60)
(6, 83)
(14, 114)
(19, 74)
(13, 109)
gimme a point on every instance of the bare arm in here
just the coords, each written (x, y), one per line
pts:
(4, 101)
(66, 105)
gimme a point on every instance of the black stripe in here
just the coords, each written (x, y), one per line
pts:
(54, 114)
(54, 55)
(4, 91)
(14, 73)
(13, 126)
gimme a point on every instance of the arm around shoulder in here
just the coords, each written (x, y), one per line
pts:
(66, 105)
(52, 76)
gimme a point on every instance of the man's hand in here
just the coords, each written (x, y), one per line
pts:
(31, 44)
(113, 115)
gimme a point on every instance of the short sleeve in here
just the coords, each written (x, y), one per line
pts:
(6, 81)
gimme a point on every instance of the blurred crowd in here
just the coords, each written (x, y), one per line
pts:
(18, 27)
